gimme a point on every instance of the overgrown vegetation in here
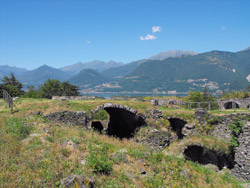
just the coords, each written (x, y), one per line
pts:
(202, 99)
(32, 153)
(236, 128)
(11, 85)
(99, 160)
(52, 88)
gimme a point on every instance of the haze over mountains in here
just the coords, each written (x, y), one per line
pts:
(172, 71)
(95, 65)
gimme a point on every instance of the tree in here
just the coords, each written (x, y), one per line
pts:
(205, 92)
(50, 88)
(68, 89)
(12, 85)
(31, 93)
(55, 88)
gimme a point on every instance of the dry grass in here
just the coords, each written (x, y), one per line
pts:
(42, 161)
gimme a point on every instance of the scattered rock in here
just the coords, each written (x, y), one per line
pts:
(212, 167)
(155, 114)
(77, 181)
(200, 114)
(38, 113)
(143, 172)
(83, 162)
(46, 130)
(70, 144)
(30, 137)
(184, 173)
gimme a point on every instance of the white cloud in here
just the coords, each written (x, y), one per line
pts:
(88, 41)
(156, 29)
(223, 27)
(148, 37)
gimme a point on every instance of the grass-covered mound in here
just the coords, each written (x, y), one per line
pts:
(38, 153)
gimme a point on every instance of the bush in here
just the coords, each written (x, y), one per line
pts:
(17, 128)
(99, 160)
(236, 128)
(101, 115)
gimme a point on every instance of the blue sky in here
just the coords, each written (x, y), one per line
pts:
(64, 32)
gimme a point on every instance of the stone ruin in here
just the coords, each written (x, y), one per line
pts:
(123, 121)
(234, 103)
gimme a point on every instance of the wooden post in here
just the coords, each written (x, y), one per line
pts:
(209, 106)
(234, 105)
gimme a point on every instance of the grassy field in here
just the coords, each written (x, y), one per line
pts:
(33, 155)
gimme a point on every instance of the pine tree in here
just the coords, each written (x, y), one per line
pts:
(12, 85)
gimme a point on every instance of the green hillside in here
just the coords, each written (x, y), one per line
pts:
(118, 72)
(87, 78)
(218, 70)
(38, 76)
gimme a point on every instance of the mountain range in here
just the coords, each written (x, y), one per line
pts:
(95, 65)
(171, 71)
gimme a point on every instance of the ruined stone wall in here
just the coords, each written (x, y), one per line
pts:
(73, 97)
(222, 131)
(243, 103)
(72, 118)
(242, 155)
(165, 102)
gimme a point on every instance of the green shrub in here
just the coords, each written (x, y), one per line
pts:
(236, 128)
(17, 128)
(101, 115)
(99, 160)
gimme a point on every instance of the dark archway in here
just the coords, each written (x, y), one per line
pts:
(123, 121)
(97, 125)
(171, 102)
(177, 126)
(248, 106)
(205, 156)
(229, 105)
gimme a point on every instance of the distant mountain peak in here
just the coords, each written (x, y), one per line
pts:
(96, 65)
(247, 49)
(172, 53)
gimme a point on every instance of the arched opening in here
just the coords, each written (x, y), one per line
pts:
(123, 122)
(205, 156)
(171, 102)
(229, 105)
(248, 106)
(97, 125)
(177, 126)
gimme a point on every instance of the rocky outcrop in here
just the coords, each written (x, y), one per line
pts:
(77, 181)
(70, 118)
(155, 114)
(242, 155)
(155, 139)
(221, 129)
(201, 114)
